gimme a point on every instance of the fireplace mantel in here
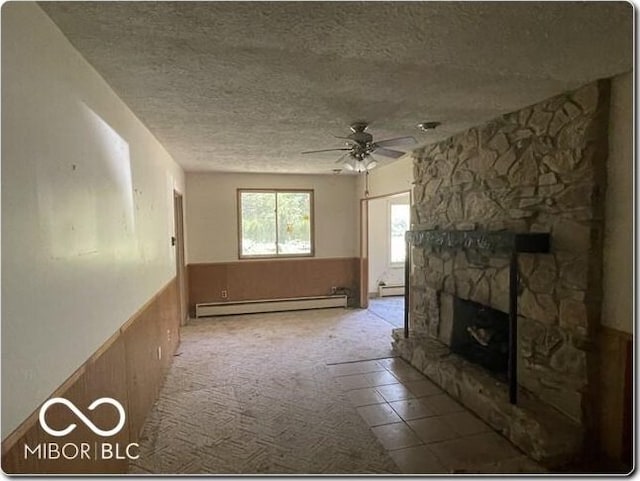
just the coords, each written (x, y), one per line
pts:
(484, 240)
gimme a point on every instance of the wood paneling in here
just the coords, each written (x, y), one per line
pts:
(271, 279)
(627, 408)
(156, 326)
(205, 283)
(125, 368)
(614, 394)
(364, 278)
(104, 376)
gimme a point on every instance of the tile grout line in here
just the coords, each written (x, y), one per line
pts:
(361, 360)
(440, 416)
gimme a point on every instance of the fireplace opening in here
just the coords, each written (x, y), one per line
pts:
(480, 334)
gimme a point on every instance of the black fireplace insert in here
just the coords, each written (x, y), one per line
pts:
(480, 334)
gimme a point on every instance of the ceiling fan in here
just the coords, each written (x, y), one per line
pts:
(360, 147)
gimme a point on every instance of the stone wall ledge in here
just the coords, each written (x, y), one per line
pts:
(540, 431)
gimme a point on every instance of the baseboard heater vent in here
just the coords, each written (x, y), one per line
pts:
(390, 290)
(268, 305)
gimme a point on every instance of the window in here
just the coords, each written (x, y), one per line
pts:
(399, 220)
(274, 223)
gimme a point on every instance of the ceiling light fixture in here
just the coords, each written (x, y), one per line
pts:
(426, 126)
(360, 163)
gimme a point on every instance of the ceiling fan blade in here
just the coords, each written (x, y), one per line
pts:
(349, 142)
(394, 154)
(323, 150)
(341, 159)
(398, 141)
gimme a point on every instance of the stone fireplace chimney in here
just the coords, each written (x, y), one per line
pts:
(539, 170)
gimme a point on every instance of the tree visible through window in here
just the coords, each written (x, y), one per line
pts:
(400, 214)
(275, 223)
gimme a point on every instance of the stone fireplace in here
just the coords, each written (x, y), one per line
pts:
(538, 170)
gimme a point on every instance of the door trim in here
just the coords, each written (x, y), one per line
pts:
(181, 270)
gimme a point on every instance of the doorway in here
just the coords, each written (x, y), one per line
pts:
(178, 242)
(385, 219)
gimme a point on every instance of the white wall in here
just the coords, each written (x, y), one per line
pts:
(86, 211)
(213, 219)
(378, 231)
(617, 311)
(389, 179)
(380, 268)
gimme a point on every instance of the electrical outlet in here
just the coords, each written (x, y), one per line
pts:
(224, 294)
(159, 352)
(333, 289)
(168, 335)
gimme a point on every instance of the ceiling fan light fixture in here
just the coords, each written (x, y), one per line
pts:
(370, 163)
(359, 165)
(350, 163)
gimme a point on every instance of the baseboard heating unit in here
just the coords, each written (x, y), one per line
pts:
(268, 305)
(390, 290)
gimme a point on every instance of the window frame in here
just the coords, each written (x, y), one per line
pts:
(239, 219)
(390, 204)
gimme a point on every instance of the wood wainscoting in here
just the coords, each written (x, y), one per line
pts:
(271, 279)
(126, 368)
(615, 395)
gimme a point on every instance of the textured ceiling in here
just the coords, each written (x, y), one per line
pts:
(247, 86)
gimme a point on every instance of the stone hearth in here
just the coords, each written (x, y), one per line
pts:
(536, 428)
(539, 170)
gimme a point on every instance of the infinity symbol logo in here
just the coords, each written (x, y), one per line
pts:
(81, 416)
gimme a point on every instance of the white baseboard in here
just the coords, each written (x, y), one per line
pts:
(390, 290)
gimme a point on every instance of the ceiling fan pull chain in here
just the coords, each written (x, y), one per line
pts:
(366, 184)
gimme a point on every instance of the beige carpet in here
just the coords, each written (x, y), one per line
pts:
(253, 394)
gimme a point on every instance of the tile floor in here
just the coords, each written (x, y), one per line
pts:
(391, 309)
(421, 427)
